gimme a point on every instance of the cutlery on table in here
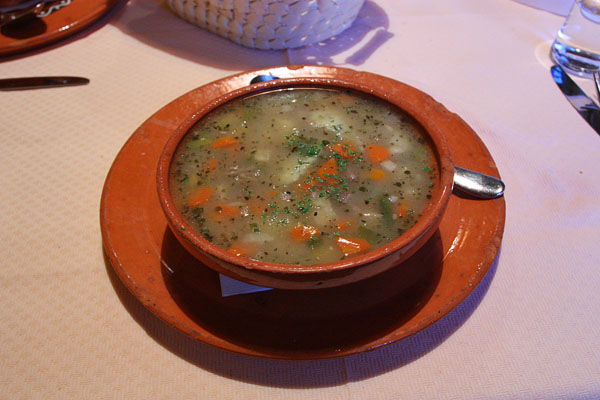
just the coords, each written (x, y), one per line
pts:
(577, 97)
(477, 184)
(40, 82)
(597, 81)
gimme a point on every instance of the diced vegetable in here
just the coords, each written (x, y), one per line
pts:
(308, 184)
(397, 150)
(376, 174)
(344, 225)
(368, 234)
(401, 210)
(315, 242)
(242, 249)
(293, 168)
(389, 165)
(258, 237)
(377, 153)
(224, 141)
(329, 172)
(211, 165)
(200, 196)
(352, 245)
(224, 211)
(346, 150)
(385, 207)
(324, 212)
(371, 218)
(303, 233)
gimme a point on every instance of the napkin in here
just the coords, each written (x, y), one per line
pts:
(559, 7)
(230, 286)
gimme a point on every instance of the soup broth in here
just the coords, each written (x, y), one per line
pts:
(303, 176)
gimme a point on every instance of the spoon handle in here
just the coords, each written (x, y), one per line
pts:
(477, 184)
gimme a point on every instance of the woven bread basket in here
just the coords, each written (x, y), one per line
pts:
(270, 24)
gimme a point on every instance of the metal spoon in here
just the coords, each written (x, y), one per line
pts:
(477, 184)
(263, 78)
(471, 182)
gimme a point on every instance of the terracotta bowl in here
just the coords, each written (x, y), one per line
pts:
(293, 276)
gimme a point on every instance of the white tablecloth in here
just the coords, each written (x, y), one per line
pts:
(69, 329)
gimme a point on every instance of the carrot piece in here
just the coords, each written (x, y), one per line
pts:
(302, 233)
(242, 249)
(378, 153)
(223, 212)
(200, 196)
(227, 210)
(211, 165)
(345, 149)
(224, 141)
(401, 210)
(376, 174)
(307, 184)
(328, 172)
(352, 245)
(343, 225)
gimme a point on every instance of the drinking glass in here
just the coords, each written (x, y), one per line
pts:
(577, 44)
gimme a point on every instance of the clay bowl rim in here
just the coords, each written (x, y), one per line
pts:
(431, 215)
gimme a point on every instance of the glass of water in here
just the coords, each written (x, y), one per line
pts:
(577, 44)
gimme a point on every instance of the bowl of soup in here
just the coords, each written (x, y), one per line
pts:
(305, 183)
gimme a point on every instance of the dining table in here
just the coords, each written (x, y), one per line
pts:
(74, 323)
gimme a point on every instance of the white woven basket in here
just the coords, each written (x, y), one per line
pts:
(270, 24)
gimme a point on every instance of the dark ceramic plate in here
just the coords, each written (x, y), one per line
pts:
(292, 324)
(31, 33)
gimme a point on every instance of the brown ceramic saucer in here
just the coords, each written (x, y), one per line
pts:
(34, 32)
(289, 324)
